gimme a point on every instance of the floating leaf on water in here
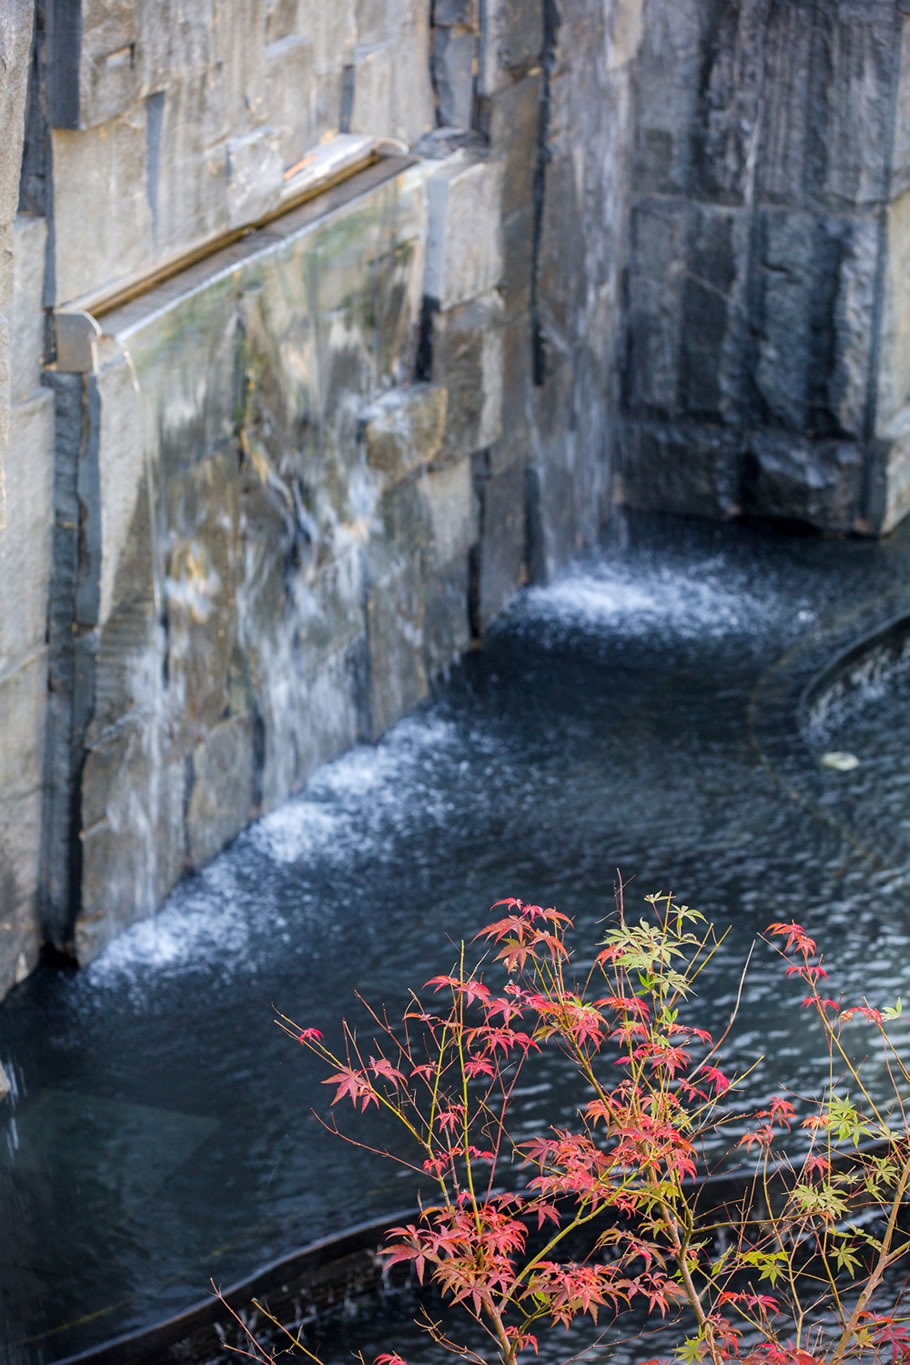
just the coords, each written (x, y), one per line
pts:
(840, 761)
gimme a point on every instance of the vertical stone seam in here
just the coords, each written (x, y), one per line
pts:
(873, 465)
(552, 20)
(751, 203)
(60, 850)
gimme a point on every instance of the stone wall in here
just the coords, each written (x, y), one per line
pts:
(768, 293)
(334, 323)
(26, 417)
(284, 461)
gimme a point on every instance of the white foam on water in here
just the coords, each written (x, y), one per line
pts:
(348, 804)
(297, 828)
(350, 800)
(689, 601)
(201, 919)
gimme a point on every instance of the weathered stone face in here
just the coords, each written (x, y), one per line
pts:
(464, 248)
(272, 570)
(26, 526)
(766, 253)
(653, 251)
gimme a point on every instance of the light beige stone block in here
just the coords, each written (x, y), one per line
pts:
(27, 311)
(404, 429)
(464, 236)
(102, 215)
(26, 543)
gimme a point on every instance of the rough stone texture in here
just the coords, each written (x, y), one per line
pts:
(468, 361)
(453, 75)
(449, 501)
(687, 469)
(501, 552)
(254, 173)
(25, 544)
(114, 242)
(22, 695)
(512, 34)
(292, 94)
(16, 23)
(513, 118)
(180, 124)
(896, 476)
(894, 365)
(393, 96)
(582, 248)
(26, 474)
(452, 12)
(25, 561)
(657, 252)
(821, 486)
(404, 429)
(765, 251)
(16, 20)
(464, 246)
(27, 309)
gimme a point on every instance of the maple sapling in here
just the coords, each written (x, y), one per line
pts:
(802, 1275)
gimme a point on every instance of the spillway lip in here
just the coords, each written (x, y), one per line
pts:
(353, 1255)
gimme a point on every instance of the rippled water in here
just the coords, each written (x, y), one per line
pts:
(161, 1131)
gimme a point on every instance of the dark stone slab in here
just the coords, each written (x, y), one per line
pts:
(686, 469)
(714, 313)
(857, 43)
(498, 564)
(513, 124)
(518, 255)
(729, 103)
(659, 239)
(820, 483)
(453, 75)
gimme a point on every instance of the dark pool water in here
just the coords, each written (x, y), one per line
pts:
(632, 715)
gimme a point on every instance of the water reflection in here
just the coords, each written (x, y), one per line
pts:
(162, 1133)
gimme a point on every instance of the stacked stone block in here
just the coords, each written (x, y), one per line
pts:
(183, 122)
(26, 474)
(654, 252)
(580, 261)
(765, 279)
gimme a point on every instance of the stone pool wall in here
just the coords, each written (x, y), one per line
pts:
(769, 291)
(323, 326)
(263, 489)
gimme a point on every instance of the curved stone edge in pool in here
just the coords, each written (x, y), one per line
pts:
(323, 1271)
(793, 690)
(334, 1269)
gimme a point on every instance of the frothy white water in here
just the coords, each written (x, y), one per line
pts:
(203, 918)
(349, 805)
(347, 800)
(684, 601)
(370, 796)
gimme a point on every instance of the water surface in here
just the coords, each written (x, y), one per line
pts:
(161, 1130)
